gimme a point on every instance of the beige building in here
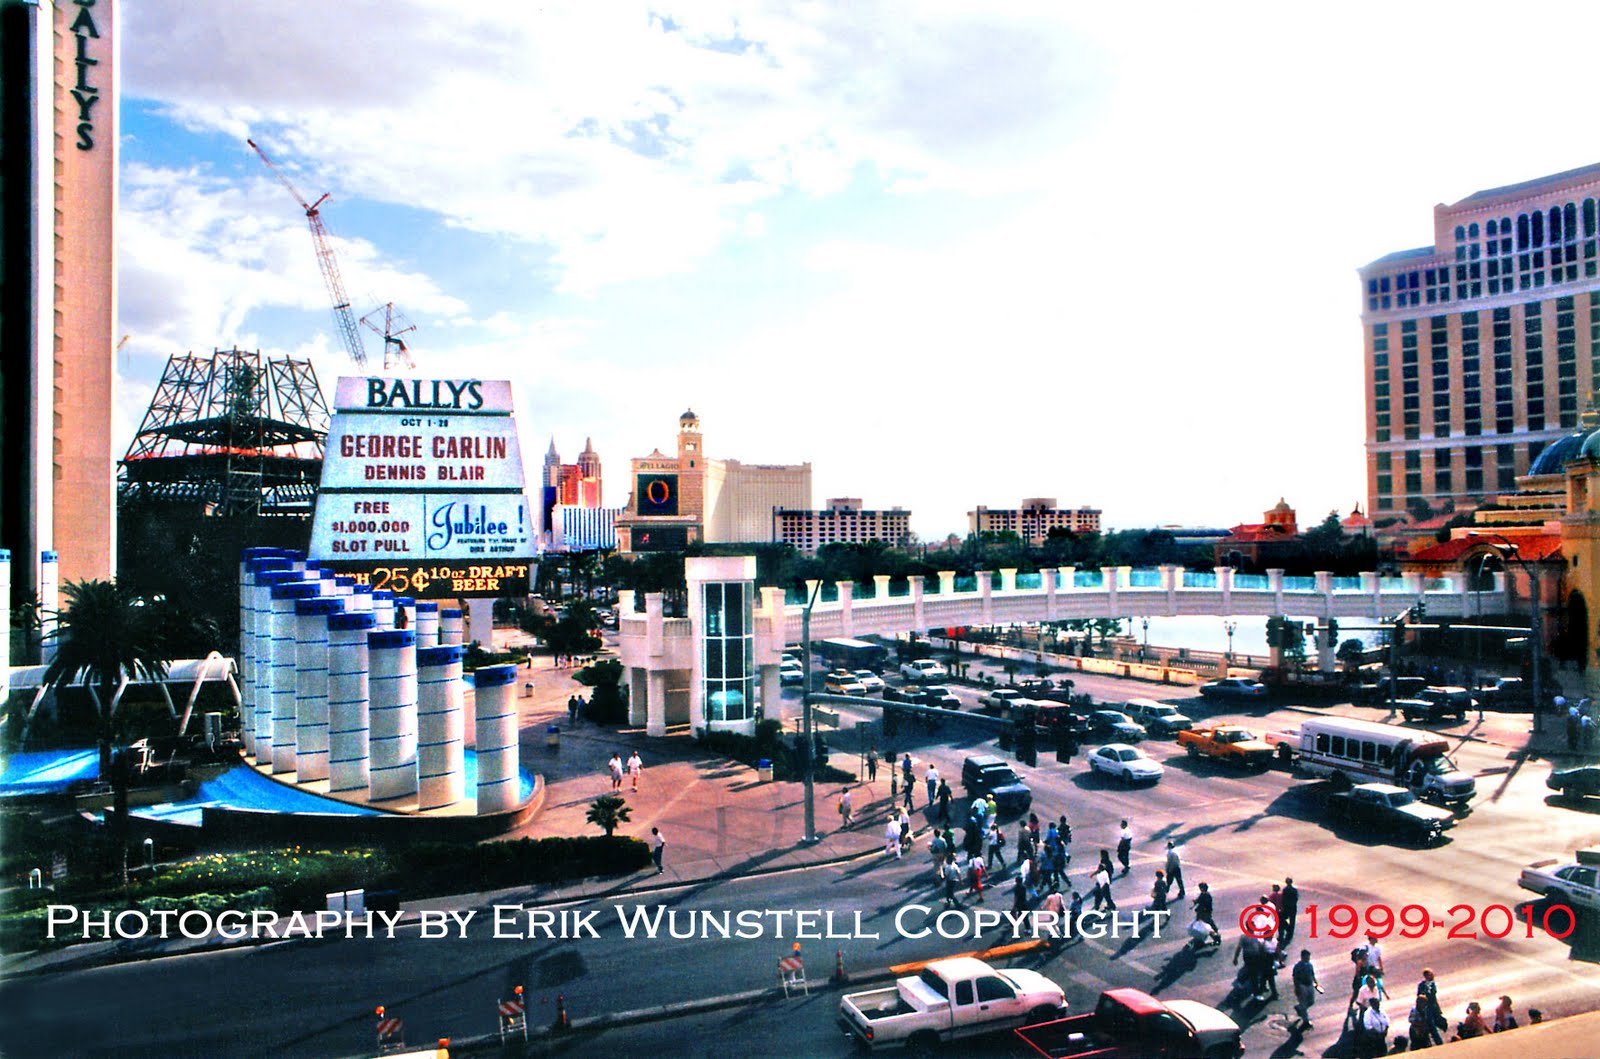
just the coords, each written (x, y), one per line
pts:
(1034, 520)
(1481, 349)
(680, 499)
(58, 293)
(842, 521)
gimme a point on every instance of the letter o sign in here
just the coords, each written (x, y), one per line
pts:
(658, 492)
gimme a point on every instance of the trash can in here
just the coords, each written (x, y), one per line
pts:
(527, 689)
(764, 770)
(552, 737)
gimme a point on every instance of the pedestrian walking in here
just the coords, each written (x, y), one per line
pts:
(905, 833)
(1373, 1037)
(1102, 889)
(1572, 721)
(572, 709)
(1366, 991)
(1431, 1015)
(891, 835)
(1586, 733)
(1175, 867)
(614, 766)
(1204, 912)
(932, 780)
(657, 845)
(1056, 905)
(909, 787)
(1419, 1027)
(938, 850)
(1158, 893)
(1019, 893)
(847, 810)
(945, 795)
(1306, 988)
(994, 844)
(1124, 845)
(975, 875)
(872, 764)
(894, 785)
(949, 875)
(1024, 843)
(1288, 912)
(635, 766)
(992, 807)
(1375, 963)
(905, 770)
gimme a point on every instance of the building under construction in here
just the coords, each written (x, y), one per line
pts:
(230, 434)
(229, 456)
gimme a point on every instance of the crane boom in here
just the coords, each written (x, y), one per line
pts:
(329, 264)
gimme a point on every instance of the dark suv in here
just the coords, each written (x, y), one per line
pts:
(985, 774)
(1437, 703)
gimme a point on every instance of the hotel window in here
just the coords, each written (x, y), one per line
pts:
(729, 647)
(1566, 362)
(1533, 359)
(1505, 467)
(1380, 380)
(1471, 385)
(1385, 480)
(1413, 473)
(1594, 344)
(1410, 385)
(1441, 472)
(1504, 406)
(1439, 354)
(1473, 457)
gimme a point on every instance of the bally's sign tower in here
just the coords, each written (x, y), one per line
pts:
(422, 489)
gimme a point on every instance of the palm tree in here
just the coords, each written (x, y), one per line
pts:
(104, 634)
(608, 812)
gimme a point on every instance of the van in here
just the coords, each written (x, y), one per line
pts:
(1350, 751)
(1157, 717)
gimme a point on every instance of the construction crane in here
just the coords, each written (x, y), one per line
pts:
(330, 265)
(394, 325)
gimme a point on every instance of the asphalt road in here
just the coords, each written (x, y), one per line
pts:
(1239, 832)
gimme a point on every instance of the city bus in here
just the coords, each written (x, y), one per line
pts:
(1351, 751)
(850, 654)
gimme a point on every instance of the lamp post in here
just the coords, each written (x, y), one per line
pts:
(1144, 647)
(1507, 549)
(808, 749)
(1230, 626)
(1477, 634)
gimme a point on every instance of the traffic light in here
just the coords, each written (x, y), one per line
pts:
(1333, 630)
(1419, 611)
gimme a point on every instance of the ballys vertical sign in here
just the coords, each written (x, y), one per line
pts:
(84, 91)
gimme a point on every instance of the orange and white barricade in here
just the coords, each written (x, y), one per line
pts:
(514, 1015)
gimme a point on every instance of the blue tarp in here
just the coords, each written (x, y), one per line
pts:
(47, 771)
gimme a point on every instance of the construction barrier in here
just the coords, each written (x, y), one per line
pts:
(513, 1016)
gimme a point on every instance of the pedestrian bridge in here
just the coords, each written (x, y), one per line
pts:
(665, 659)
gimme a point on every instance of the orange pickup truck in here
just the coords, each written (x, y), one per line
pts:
(1228, 742)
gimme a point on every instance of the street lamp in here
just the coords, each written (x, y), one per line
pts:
(1477, 634)
(1507, 549)
(808, 751)
(1230, 626)
(1146, 645)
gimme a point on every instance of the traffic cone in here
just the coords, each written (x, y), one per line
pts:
(838, 965)
(562, 1023)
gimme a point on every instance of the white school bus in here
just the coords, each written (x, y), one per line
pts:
(1350, 752)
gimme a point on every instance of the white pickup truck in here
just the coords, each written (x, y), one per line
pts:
(950, 999)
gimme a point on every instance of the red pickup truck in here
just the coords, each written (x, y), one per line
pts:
(1129, 1024)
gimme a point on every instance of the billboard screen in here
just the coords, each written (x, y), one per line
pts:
(660, 538)
(656, 494)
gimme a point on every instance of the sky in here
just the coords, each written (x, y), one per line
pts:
(949, 253)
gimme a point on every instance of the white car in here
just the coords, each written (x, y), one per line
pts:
(869, 680)
(1000, 700)
(788, 674)
(1127, 763)
(842, 682)
(1574, 885)
(923, 669)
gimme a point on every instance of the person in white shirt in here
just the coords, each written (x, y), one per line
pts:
(1373, 1038)
(635, 766)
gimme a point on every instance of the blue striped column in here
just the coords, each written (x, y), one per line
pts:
(394, 713)
(452, 626)
(361, 599)
(311, 685)
(284, 599)
(50, 608)
(441, 728)
(348, 703)
(427, 624)
(496, 737)
(261, 659)
(253, 562)
(383, 609)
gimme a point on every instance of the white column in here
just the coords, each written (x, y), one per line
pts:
(311, 686)
(847, 594)
(393, 713)
(495, 729)
(656, 721)
(282, 699)
(258, 740)
(1008, 579)
(348, 703)
(441, 728)
(452, 629)
(480, 620)
(50, 606)
(362, 600)
(985, 595)
(919, 621)
(382, 610)
(427, 624)
(253, 644)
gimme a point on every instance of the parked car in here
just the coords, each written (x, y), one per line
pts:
(940, 696)
(842, 682)
(986, 774)
(1115, 725)
(923, 669)
(1233, 689)
(869, 680)
(1384, 805)
(788, 674)
(1127, 763)
(1576, 783)
(1157, 717)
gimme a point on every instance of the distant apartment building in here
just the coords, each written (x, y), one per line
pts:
(842, 521)
(1034, 520)
(1481, 349)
